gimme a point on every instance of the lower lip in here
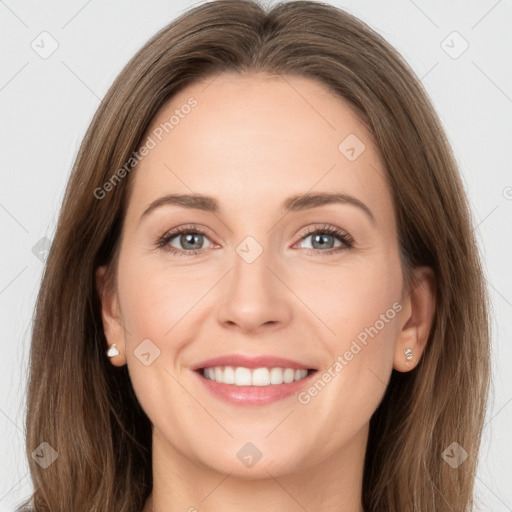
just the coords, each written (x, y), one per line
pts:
(254, 395)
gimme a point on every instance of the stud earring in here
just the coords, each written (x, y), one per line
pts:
(112, 351)
(408, 354)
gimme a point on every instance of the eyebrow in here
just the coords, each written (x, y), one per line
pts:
(294, 203)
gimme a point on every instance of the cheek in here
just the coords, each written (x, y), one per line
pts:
(359, 307)
(355, 297)
(153, 303)
(154, 298)
(146, 309)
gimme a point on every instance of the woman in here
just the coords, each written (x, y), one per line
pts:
(248, 369)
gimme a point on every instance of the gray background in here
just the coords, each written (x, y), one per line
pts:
(47, 103)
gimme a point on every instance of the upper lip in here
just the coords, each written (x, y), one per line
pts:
(265, 361)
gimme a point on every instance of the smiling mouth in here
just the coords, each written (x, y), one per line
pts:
(264, 376)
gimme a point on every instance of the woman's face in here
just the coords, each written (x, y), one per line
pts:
(259, 275)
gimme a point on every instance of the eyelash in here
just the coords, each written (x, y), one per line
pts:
(340, 234)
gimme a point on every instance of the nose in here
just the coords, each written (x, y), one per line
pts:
(256, 298)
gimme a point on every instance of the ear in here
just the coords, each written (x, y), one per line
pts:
(110, 315)
(417, 317)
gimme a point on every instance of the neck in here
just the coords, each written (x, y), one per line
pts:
(180, 484)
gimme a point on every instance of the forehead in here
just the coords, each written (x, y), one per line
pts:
(261, 137)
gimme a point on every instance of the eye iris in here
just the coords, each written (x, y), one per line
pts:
(189, 239)
(319, 237)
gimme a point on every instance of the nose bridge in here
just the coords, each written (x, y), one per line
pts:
(252, 243)
(254, 296)
(251, 276)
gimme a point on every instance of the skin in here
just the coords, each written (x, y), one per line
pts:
(251, 142)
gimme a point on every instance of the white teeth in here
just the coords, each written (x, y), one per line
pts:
(276, 376)
(229, 375)
(289, 375)
(261, 377)
(241, 376)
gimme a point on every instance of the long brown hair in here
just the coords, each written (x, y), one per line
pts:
(86, 409)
